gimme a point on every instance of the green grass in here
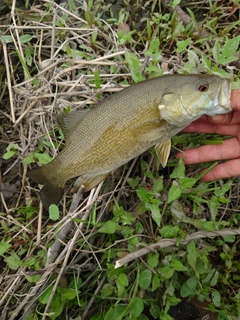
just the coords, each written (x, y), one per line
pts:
(177, 237)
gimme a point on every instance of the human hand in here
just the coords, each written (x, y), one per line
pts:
(228, 124)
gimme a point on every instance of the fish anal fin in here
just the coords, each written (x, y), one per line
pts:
(89, 181)
(69, 120)
(50, 193)
(163, 150)
(37, 175)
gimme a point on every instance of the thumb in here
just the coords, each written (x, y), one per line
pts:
(235, 99)
(221, 118)
(227, 118)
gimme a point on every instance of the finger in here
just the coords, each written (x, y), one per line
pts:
(230, 149)
(229, 118)
(226, 119)
(235, 99)
(227, 169)
(204, 126)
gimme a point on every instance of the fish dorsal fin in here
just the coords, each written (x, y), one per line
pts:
(89, 181)
(150, 130)
(68, 121)
(163, 150)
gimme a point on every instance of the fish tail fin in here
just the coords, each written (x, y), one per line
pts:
(51, 191)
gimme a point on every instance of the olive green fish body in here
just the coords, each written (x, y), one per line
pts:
(128, 123)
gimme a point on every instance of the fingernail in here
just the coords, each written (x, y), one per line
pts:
(220, 118)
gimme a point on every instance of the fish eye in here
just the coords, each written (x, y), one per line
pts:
(203, 87)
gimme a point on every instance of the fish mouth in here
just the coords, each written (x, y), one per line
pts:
(223, 96)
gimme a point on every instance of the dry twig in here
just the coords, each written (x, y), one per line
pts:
(164, 243)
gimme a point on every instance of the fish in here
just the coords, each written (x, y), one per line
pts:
(99, 140)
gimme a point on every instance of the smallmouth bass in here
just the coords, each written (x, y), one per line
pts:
(126, 124)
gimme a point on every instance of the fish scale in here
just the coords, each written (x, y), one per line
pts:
(125, 125)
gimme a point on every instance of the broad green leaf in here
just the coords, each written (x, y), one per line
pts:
(154, 45)
(53, 212)
(158, 185)
(33, 279)
(109, 227)
(134, 66)
(72, 6)
(137, 306)
(122, 215)
(229, 238)
(43, 158)
(174, 3)
(174, 192)
(4, 247)
(192, 282)
(68, 293)
(216, 51)
(230, 47)
(133, 182)
(123, 279)
(143, 194)
(216, 298)
(145, 278)
(121, 290)
(8, 155)
(213, 205)
(142, 317)
(29, 159)
(155, 282)
(209, 276)
(165, 316)
(116, 312)
(177, 265)
(25, 38)
(177, 210)
(57, 306)
(169, 231)
(107, 290)
(192, 254)
(194, 59)
(185, 291)
(182, 45)
(215, 278)
(6, 38)
(165, 272)
(174, 300)
(153, 259)
(187, 183)
(155, 311)
(155, 210)
(11, 151)
(226, 53)
(13, 261)
(44, 297)
(179, 171)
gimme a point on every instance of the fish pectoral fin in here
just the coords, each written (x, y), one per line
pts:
(150, 130)
(163, 150)
(89, 181)
(67, 121)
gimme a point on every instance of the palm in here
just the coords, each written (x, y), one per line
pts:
(229, 150)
